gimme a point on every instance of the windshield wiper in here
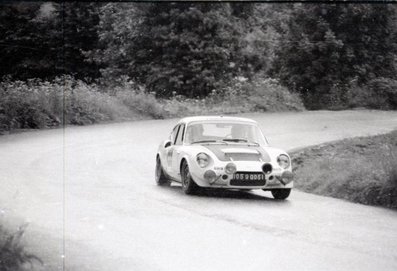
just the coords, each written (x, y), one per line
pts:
(235, 139)
(253, 143)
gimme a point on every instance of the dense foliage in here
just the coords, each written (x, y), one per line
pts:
(327, 47)
(44, 40)
(332, 55)
(186, 48)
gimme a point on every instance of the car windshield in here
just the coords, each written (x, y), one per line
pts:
(224, 133)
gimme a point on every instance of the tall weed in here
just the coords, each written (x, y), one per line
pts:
(13, 256)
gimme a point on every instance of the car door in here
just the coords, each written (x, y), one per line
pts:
(177, 152)
(169, 150)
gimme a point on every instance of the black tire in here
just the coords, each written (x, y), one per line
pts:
(281, 194)
(188, 185)
(161, 178)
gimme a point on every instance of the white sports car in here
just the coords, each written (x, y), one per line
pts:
(222, 152)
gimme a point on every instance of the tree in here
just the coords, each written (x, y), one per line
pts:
(187, 48)
(80, 22)
(43, 40)
(328, 46)
(26, 49)
(263, 27)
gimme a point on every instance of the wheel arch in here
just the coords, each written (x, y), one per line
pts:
(183, 160)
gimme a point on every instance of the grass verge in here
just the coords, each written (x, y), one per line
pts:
(362, 169)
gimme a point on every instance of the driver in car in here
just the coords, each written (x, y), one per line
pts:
(194, 133)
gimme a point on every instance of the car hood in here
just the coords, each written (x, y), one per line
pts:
(238, 153)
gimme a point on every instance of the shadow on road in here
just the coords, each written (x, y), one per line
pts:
(218, 193)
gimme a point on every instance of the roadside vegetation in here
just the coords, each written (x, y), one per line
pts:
(13, 256)
(362, 169)
(82, 63)
(35, 104)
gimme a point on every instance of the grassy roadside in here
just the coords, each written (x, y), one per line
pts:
(362, 169)
(13, 256)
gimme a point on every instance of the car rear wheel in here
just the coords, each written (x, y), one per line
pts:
(188, 185)
(281, 194)
(161, 178)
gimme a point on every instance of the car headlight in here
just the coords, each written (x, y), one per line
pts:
(230, 168)
(203, 159)
(283, 161)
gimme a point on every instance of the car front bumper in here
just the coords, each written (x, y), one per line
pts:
(277, 179)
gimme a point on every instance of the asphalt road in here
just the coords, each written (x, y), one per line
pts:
(89, 198)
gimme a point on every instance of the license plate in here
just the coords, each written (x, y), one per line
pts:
(249, 176)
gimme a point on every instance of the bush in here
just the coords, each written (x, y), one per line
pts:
(22, 105)
(13, 256)
(379, 93)
(138, 100)
(239, 96)
(257, 95)
(86, 104)
(35, 104)
(267, 94)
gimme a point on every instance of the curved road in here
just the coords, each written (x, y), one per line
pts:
(89, 197)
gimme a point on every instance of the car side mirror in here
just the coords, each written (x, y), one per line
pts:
(167, 144)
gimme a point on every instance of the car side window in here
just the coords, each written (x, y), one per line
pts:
(179, 138)
(174, 134)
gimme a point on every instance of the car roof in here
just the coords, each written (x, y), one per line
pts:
(215, 118)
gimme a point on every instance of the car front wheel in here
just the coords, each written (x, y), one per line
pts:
(281, 194)
(161, 178)
(188, 185)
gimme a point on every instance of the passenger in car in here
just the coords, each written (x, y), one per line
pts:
(239, 132)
